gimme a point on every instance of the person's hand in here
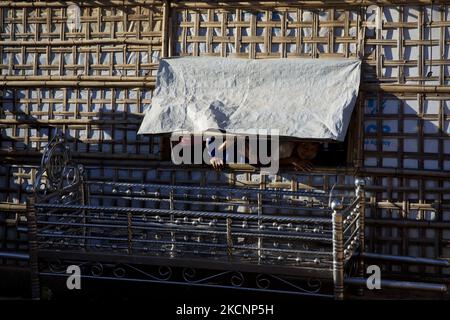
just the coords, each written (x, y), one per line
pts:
(303, 165)
(217, 163)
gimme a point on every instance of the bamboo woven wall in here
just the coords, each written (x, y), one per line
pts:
(94, 83)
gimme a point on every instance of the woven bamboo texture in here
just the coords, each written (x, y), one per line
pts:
(94, 82)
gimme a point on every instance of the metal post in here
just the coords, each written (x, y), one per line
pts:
(33, 248)
(130, 232)
(229, 239)
(360, 183)
(172, 221)
(338, 250)
(260, 211)
(84, 197)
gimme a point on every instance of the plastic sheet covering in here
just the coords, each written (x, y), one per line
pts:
(303, 98)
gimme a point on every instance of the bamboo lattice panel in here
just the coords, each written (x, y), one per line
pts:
(395, 224)
(266, 33)
(95, 121)
(407, 131)
(95, 82)
(411, 46)
(113, 44)
(106, 41)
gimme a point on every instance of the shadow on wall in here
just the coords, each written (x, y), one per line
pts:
(115, 135)
(399, 133)
(95, 120)
(406, 133)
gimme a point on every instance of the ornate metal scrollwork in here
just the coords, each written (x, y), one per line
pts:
(164, 273)
(236, 279)
(262, 281)
(97, 269)
(57, 173)
(119, 271)
(56, 266)
(191, 276)
(271, 282)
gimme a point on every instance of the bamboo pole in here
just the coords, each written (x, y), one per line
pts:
(300, 3)
(80, 42)
(392, 88)
(85, 155)
(56, 4)
(215, 4)
(86, 84)
(7, 206)
(117, 78)
(71, 121)
(165, 28)
(150, 82)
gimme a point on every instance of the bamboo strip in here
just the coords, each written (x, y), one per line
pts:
(71, 121)
(296, 3)
(81, 3)
(79, 42)
(81, 83)
(164, 31)
(12, 206)
(392, 88)
(120, 78)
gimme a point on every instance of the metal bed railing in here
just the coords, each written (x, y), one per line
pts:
(284, 235)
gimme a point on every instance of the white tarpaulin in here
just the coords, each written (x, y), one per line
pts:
(304, 98)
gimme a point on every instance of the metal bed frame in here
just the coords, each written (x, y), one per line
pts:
(304, 242)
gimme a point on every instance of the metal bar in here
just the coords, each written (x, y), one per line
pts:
(349, 225)
(408, 223)
(301, 236)
(361, 224)
(316, 193)
(406, 285)
(352, 238)
(194, 262)
(349, 208)
(169, 282)
(260, 212)
(33, 249)
(84, 195)
(14, 255)
(172, 218)
(177, 199)
(229, 239)
(338, 252)
(129, 233)
(323, 255)
(405, 259)
(312, 220)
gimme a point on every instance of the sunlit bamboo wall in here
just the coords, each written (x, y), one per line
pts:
(94, 83)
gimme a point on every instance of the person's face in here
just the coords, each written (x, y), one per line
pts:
(307, 150)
